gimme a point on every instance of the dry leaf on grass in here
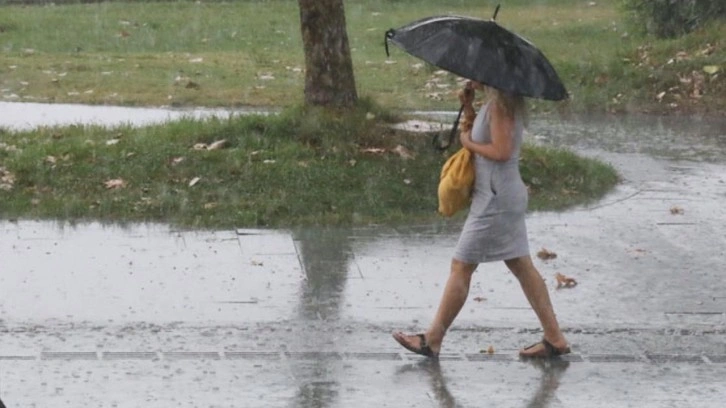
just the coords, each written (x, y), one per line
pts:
(677, 210)
(564, 281)
(114, 183)
(374, 150)
(219, 144)
(403, 152)
(545, 254)
(194, 181)
(7, 179)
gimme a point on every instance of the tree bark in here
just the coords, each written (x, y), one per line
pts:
(329, 79)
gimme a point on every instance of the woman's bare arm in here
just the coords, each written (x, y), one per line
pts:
(501, 127)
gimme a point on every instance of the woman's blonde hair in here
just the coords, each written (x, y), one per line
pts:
(512, 104)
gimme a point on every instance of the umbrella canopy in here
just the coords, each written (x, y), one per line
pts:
(482, 51)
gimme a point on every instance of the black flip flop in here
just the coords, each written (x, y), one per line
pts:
(550, 351)
(423, 350)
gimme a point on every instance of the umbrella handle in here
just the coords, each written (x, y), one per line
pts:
(436, 143)
(389, 34)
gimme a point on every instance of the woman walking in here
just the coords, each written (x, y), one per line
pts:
(494, 229)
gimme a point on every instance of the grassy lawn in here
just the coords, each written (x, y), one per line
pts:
(187, 53)
(299, 167)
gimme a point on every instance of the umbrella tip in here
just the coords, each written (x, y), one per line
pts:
(496, 11)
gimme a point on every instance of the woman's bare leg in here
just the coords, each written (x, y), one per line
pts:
(535, 290)
(453, 299)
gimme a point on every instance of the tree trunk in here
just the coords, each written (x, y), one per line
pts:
(329, 79)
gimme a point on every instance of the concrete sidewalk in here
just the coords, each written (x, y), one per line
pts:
(114, 316)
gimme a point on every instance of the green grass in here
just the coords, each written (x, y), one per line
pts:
(304, 166)
(189, 53)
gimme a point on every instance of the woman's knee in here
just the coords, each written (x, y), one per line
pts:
(461, 267)
(520, 266)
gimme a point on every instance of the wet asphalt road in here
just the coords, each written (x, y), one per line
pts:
(146, 315)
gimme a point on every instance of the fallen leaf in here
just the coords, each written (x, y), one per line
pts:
(268, 161)
(545, 254)
(8, 148)
(7, 179)
(219, 144)
(196, 60)
(564, 281)
(209, 206)
(200, 146)
(112, 142)
(177, 160)
(708, 50)
(675, 210)
(407, 181)
(374, 150)
(479, 299)
(115, 183)
(194, 181)
(192, 85)
(490, 350)
(50, 160)
(403, 152)
(711, 69)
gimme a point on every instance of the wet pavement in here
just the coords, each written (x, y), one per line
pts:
(149, 315)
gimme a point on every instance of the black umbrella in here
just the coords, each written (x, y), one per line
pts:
(483, 51)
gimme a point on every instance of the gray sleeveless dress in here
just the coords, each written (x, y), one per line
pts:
(494, 229)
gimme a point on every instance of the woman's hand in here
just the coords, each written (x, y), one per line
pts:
(465, 139)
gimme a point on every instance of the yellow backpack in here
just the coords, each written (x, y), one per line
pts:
(456, 183)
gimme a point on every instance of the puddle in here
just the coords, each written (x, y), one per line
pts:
(25, 116)
(677, 138)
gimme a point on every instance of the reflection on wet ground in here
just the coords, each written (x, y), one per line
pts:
(542, 395)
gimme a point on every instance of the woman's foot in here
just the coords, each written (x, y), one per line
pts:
(545, 349)
(418, 344)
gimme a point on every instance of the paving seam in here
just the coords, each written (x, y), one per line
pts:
(645, 358)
